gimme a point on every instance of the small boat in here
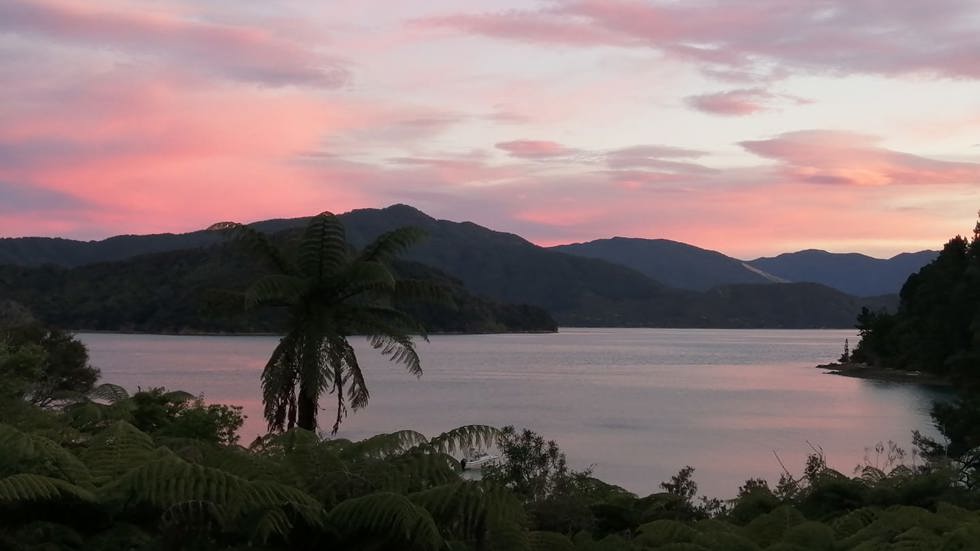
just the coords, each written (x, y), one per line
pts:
(476, 459)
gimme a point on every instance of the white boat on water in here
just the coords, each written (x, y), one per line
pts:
(475, 459)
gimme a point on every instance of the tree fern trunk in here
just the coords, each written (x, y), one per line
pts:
(307, 409)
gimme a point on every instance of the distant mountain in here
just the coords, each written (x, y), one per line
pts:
(852, 273)
(675, 264)
(500, 267)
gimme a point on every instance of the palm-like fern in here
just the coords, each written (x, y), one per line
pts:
(332, 293)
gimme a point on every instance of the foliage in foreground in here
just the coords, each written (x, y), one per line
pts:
(71, 481)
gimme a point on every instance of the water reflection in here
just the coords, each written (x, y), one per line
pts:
(638, 404)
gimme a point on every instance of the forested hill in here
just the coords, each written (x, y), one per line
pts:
(195, 291)
(937, 326)
(498, 266)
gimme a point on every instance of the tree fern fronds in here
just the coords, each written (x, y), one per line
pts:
(179, 396)
(257, 242)
(29, 453)
(468, 509)
(167, 481)
(323, 247)
(417, 470)
(550, 541)
(109, 393)
(464, 437)
(196, 515)
(383, 445)
(508, 536)
(387, 514)
(26, 487)
(363, 278)
(262, 495)
(116, 449)
(425, 290)
(399, 349)
(390, 244)
(274, 289)
(268, 523)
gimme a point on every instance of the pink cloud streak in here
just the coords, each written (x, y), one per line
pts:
(245, 53)
(836, 36)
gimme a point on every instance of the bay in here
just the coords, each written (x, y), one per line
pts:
(635, 404)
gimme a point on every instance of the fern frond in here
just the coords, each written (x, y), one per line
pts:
(424, 290)
(469, 509)
(27, 487)
(550, 541)
(416, 470)
(323, 247)
(399, 349)
(22, 452)
(109, 393)
(179, 396)
(390, 514)
(257, 243)
(384, 445)
(391, 244)
(467, 436)
(274, 289)
(200, 515)
(116, 449)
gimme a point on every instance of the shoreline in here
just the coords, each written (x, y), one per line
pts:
(864, 371)
(266, 334)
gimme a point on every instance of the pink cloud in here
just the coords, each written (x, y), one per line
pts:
(238, 52)
(829, 157)
(733, 102)
(836, 36)
(534, 149)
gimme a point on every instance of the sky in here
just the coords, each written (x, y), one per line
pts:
(752, 128)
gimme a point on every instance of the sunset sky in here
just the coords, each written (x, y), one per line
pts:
(751, 128)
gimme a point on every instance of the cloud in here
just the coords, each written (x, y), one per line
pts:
(740, 102)
(768, 37)
(535, 149)
(848, 158)
(233, 51)
(28, 199)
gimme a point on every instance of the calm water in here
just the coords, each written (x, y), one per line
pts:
(638, 404)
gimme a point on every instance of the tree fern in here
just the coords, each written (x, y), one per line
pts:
(472, 511)
(390, 515)
(29, 453)
(20, 488)
(116, 449)
(464, 437)
(550, 541)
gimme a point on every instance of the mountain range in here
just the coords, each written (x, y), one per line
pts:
(618, 281)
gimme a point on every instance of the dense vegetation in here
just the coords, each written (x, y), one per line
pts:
(492, 265)
(194, 291)
(937, 326)
(98, 469)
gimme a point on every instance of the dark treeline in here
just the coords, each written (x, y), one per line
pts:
(937, 326)
(199, 290)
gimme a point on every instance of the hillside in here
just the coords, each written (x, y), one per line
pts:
(675, 264)
(495, 266)
(194, 291)
(852, 273)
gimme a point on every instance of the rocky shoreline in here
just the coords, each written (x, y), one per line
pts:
(865, 371)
